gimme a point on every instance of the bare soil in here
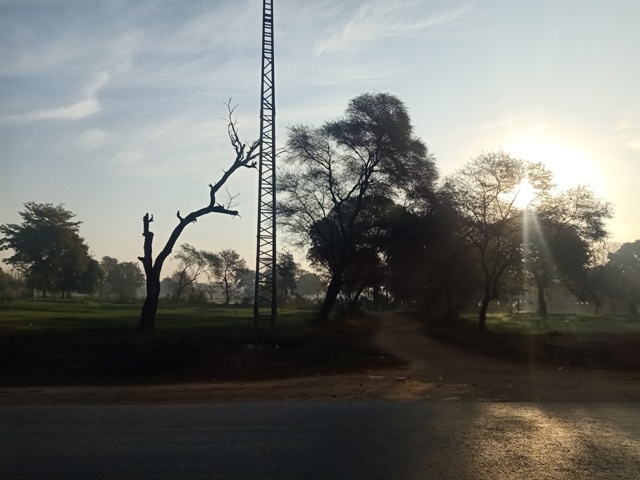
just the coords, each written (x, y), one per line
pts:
(435, 371)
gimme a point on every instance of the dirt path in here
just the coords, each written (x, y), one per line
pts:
(445, 371)
(436, 372)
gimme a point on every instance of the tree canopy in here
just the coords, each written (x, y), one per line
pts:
(625, 266)
(549, 238)
(340, 172)
(558, 238)
(193, 264)
(47, 248)
(484, 192)
(121, 279)
(229, 269)
(287, 270)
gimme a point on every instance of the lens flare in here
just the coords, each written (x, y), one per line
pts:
(570, 165)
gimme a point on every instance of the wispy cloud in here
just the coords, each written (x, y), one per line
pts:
(100, 71)
(87, 105)
(383, 20)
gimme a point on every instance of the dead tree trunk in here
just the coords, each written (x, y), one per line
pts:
(245, 157)
(152, 274)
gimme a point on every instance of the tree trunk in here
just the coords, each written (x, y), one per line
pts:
(482, 317)
(150, 305)
(353, 305)
(330, 298)
(227, 293)
(597, 304)
(542, 302)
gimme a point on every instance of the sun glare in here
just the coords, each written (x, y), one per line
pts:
(570, 165)
(524, 194)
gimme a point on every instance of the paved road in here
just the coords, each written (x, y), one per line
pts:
(322, 441)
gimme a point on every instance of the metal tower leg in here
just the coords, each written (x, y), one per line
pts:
(264, 307)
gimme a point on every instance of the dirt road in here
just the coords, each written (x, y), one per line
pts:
(448, 372)
(436, 372)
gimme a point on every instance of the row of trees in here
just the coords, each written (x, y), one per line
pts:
(50, 257)
(361, 195)
(204, 275)
(224, 270)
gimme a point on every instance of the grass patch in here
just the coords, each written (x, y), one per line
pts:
(63, 315)
(531, 323)
(94, 343)
(603, 342)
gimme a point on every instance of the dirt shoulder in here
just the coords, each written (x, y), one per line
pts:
(436, 372)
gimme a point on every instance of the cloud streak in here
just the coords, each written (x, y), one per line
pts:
(384, 20)
(86, 106)
(116, 60)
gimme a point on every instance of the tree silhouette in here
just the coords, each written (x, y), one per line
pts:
(429, 264)
(124, 279)
(245, 157)
(563, 229)
(287, 270)
(193, 264)
(229, 268)
(335, 173)
(625, 262)
(484, 192)
(48, 250)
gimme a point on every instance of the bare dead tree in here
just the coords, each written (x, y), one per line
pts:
(245, 157)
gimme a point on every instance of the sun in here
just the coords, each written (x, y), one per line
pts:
(524, 194)
(570, 165)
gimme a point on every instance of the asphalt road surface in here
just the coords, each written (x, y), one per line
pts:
(378, 440)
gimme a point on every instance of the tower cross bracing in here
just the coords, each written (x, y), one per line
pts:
(264, 307)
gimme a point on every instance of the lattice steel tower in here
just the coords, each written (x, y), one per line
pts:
(264, 306)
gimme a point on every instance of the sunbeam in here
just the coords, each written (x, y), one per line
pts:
(535, 251)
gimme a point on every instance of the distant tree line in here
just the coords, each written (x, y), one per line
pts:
(223, 277)
(51, 259)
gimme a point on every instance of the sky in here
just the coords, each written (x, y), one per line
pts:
(116, 108)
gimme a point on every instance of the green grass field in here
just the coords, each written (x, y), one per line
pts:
(593, 341)
(88, 314)
(532, 324)
(94, 343)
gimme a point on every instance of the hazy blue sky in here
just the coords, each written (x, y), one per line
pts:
(115, 107)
